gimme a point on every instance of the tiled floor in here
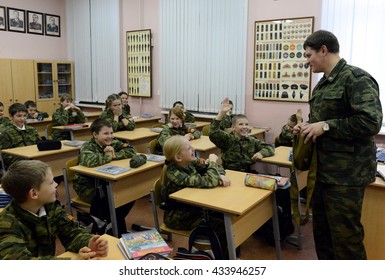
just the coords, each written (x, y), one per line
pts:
(254, 248)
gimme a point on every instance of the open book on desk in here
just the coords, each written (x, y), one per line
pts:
(112, 169)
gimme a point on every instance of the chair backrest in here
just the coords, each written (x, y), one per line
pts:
(206, 130)
(157, 125)
(48, 131)
(68, 179)
(152, 145)
(156, 200)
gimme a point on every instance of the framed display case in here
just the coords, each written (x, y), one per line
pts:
(139, 63)
(280, 69)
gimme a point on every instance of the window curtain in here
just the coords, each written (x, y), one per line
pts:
(203, 53)
(358, 25)
(93, 38)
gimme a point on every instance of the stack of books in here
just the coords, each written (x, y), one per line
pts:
(135, 245)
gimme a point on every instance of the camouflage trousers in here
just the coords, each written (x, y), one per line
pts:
(338, 232)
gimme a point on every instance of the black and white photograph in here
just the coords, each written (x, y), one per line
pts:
(3, 20)
(35, 23)
(16, 20)
(52, 25)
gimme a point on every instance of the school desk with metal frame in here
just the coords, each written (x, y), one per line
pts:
(204, 147)
(114, 252)
(56, 159)
(145, 122)
(77, 131)
(245, 209)
(281, 159)
(124, 187)
(373, 220)
(138, 138)
(39, 125)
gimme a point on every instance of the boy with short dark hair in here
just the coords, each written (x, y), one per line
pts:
(33, 113)
(16, 133)
(30, 224)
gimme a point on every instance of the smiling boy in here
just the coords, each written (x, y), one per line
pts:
(239, 150)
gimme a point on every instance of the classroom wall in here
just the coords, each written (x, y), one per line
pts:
(30, 46)
(144, 14)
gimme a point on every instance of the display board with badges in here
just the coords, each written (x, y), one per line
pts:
(280, 69)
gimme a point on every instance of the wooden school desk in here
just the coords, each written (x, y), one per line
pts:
(258, 133)
(77, 133)
(281, 159)
(91, 116)
(204, 147)
(245, 209)
(139, 138)
(124, 187)
(145, 122)
(373, 220)
(40, 125)
(56, 159)
(113, 251)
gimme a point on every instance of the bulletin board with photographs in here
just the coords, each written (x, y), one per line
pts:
(280, 69)
(139, 63)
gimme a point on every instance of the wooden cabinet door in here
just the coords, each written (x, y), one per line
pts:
(23, 80)
(6, 90)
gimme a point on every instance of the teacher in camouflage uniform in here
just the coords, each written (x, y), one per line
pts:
(345, 115)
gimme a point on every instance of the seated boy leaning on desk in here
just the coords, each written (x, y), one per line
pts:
(239, 150)
(31, 222)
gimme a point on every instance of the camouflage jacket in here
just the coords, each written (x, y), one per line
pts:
(226, 122)
(24, 236)
(169, 131)
(349, 101)
(127, 110)
(237, 152)
(4, 120)
(117, 126)
(64, 117)
(189, 117)
(12, 137)
(286, 137)
(196, 175)
(92, 155)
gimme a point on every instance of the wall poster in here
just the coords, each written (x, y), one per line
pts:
(139, 63)
(280, 69)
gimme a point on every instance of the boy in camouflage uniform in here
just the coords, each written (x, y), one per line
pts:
(31, 222)
(188, 117)
(239, 150)
(3, 119)
(101, 149)
(345, 115)
(33, 113)
(16, 133)
(175, 126)
(115, 114)
(286, 136)
(68, 113)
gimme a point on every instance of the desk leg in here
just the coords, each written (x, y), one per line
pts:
(72, 135)
(276, 229)
(111, 205)
(230, 236)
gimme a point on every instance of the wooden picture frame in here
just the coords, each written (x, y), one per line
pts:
(52, 25)
(280, 69)
(16, 20)
(3, 19)
(35, 23)
(139, 78)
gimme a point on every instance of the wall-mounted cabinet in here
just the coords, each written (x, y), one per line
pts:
(17, 82)
(53, 79)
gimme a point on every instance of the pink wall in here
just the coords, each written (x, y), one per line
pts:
(30, 46)
(135, 15)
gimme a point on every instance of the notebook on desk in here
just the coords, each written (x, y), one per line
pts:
(380, 156)
(381, 170)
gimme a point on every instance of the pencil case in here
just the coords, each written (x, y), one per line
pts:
(261, 182)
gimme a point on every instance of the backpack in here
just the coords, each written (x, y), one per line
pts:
(203, 238)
